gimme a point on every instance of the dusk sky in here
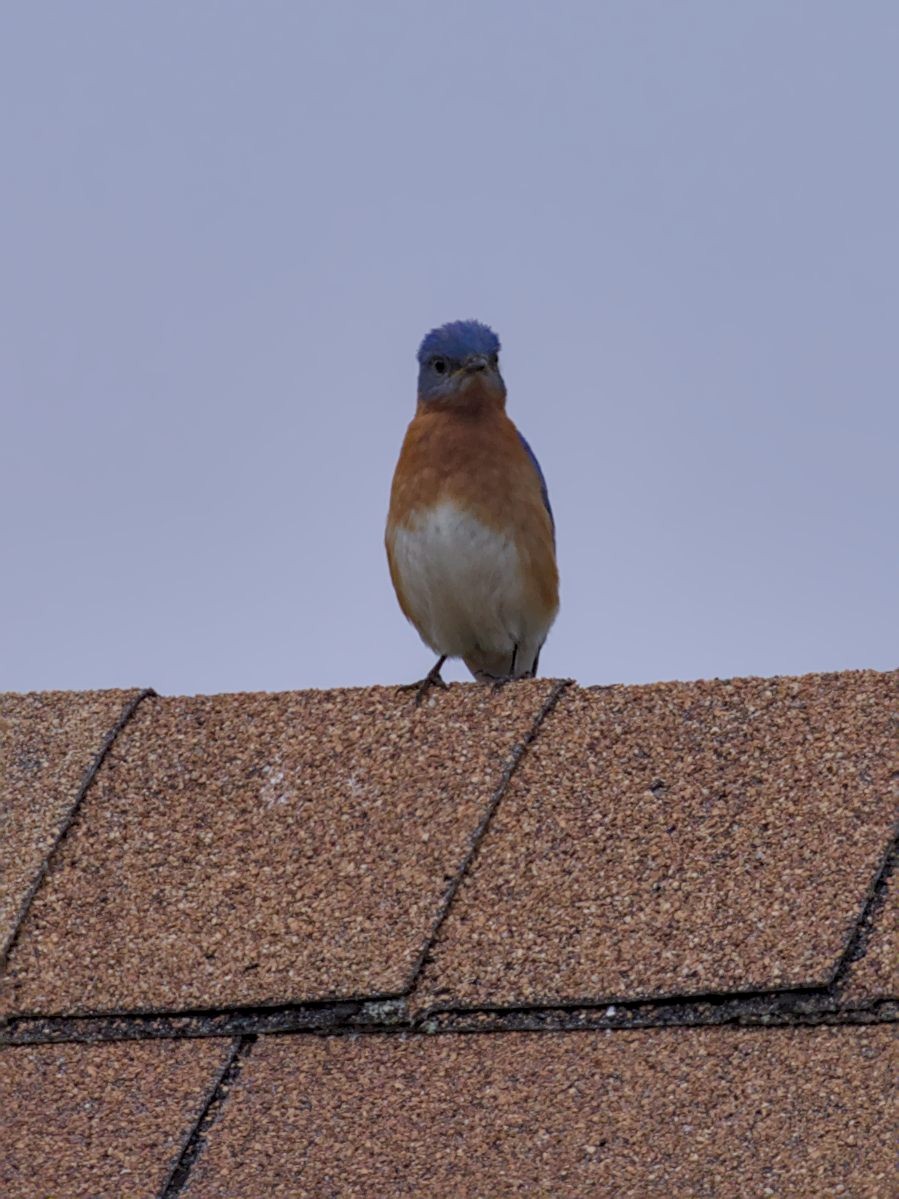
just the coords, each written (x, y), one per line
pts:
(226, 227)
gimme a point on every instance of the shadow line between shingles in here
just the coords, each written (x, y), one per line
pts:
(194, 1141)
(480, 832)
(874, 902)
(89, 776)
(771, 1008)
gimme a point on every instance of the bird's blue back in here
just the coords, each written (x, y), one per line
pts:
(543, 489)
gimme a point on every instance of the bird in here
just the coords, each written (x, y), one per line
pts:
(470, 537)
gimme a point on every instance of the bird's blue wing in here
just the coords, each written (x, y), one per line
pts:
(543, 490)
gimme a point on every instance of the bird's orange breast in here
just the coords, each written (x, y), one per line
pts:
(476, 461)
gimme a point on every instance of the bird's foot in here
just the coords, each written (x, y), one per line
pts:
(496, 685)
(432, 679)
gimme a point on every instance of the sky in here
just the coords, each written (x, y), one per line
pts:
(225, 227)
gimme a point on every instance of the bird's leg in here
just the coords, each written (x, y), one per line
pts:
(431, 679)
(500, 682)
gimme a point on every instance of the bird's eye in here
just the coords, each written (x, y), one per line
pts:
(439, 365)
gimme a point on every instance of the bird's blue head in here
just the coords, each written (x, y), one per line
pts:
(458, 366)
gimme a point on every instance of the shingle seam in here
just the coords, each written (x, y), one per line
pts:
(338, 1006)
(195, 1138)
(795, 991)
(216, 1022)
(875, 900)
(774, 1007)
(775, 1010)
(89, 775)
(481, 830)
(392, 1015)
(685, 1017)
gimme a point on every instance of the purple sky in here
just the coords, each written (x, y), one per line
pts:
(225, 228)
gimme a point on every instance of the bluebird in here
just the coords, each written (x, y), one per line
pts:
(470, 532)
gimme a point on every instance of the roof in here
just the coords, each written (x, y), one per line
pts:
(551, 940)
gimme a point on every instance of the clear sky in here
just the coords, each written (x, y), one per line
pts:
(226, 226)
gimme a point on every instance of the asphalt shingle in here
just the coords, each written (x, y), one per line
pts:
(799, 1112)
(237, 853)
(97, 1121)
(265, 849)
(876, 974)
(48, 742)
(679, 838)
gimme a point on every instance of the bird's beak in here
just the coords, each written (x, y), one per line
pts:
(474, 363)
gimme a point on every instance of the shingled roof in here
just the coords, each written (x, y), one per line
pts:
(552, 941)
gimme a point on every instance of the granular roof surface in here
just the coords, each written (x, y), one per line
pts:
(672, 839)
(637, 1113)
(48, 742)
(877, 973)
(265, 849)
(553, 941)
(101, 1119)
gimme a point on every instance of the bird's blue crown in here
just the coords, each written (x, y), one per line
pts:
(457, 340)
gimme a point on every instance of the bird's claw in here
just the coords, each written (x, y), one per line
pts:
(432, 679)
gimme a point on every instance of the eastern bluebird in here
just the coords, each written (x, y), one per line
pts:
(470, 533)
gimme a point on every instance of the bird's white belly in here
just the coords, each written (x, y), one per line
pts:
(462, 584)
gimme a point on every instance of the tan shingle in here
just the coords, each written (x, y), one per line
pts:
(678, 839)
(48, 741)
(98, 1121)
(717, 1112)
(262, 849)
(236, 851)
